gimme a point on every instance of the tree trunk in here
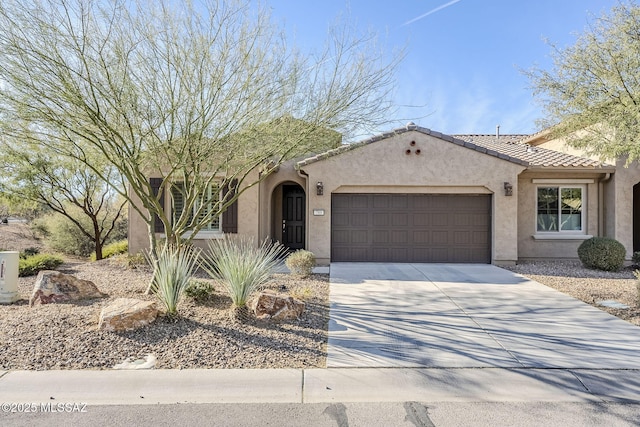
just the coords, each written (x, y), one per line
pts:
(98, 246)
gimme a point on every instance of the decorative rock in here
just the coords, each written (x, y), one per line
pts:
(126, 314)
(271, 305)
(54, 287)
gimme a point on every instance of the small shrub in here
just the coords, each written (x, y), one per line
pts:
(199, 290)
(32, 265)
(304, 294)
(115, 248)
(64, 236)
(26, 253)
(636, 258)
(301, 263)
(602, 253)
(171, 275)
(243, 267)
(136, 261)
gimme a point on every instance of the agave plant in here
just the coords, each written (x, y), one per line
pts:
(242, 266)
(172, 272)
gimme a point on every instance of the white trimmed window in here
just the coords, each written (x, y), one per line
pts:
(210, 198)
(560, 209)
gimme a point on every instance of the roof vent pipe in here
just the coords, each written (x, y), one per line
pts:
(498, 132)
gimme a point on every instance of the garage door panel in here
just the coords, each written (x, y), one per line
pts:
(411, 228)
(379, 202)
(359, 220)
(380, 237)
(359, 236)
(380, 219)
(400, 219)
(421, 237)
(439, 219)
(359, 202)
(439, 237)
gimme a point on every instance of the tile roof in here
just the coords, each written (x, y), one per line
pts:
(505, 147)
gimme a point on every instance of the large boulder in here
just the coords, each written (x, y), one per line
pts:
(54, 287)
(127, 314)
(275, 306)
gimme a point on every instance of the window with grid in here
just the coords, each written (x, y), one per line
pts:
(559, 209)
(210, 198)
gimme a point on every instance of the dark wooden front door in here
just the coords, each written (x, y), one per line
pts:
(293, 216)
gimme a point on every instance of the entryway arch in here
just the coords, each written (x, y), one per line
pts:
(288, 207)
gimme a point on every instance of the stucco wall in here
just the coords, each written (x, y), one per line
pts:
(441, 167)
(531, 248)
(621, 187)
(617, 195)
(248, 211)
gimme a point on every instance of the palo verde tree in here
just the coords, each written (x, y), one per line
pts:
(65, 186)
(195, 94)
(592, 93)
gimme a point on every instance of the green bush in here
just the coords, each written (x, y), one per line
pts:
(171, 275)
(30, 266)
(636, 258)
(26, 253)
(199, 290)
(115, 248)
(301, 263)
(64, 236)
(243, 267)
(602, 253)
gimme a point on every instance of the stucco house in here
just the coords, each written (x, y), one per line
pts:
(416, 195)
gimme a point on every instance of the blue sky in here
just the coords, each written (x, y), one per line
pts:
(463, 57)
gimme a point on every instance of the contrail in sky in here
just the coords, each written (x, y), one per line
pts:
(430, 12)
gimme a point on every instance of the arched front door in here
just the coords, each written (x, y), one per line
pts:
(293, 216)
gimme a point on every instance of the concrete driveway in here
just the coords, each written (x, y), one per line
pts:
(467, 316)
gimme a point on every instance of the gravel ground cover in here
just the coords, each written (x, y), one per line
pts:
(65, 336)
(590, 286)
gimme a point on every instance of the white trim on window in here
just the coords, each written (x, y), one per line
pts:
(560, 234)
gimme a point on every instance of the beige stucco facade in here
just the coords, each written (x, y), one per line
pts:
(414, 161)
(615, 194)
(441, 167)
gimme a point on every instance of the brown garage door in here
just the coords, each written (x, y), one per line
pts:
(411, 228)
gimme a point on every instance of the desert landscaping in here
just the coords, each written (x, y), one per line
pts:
(66, 335)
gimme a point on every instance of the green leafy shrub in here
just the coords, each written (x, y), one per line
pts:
(135, 261)
(115, 248)
(26, 253)
(199, 290)
(64, 236)
(637, 274)
(301, 263)
(602, 253)
(30, 266)
(243, 267)
(171, 275)
(636, 258)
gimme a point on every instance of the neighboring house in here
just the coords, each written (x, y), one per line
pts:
(415, 195)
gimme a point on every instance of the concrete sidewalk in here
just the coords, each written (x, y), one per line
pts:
(319, 385)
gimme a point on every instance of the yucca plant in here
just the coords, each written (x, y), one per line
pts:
(243, 267)
(172, 272)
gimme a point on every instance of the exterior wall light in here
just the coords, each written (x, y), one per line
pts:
(319, 188)
(508, 189)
